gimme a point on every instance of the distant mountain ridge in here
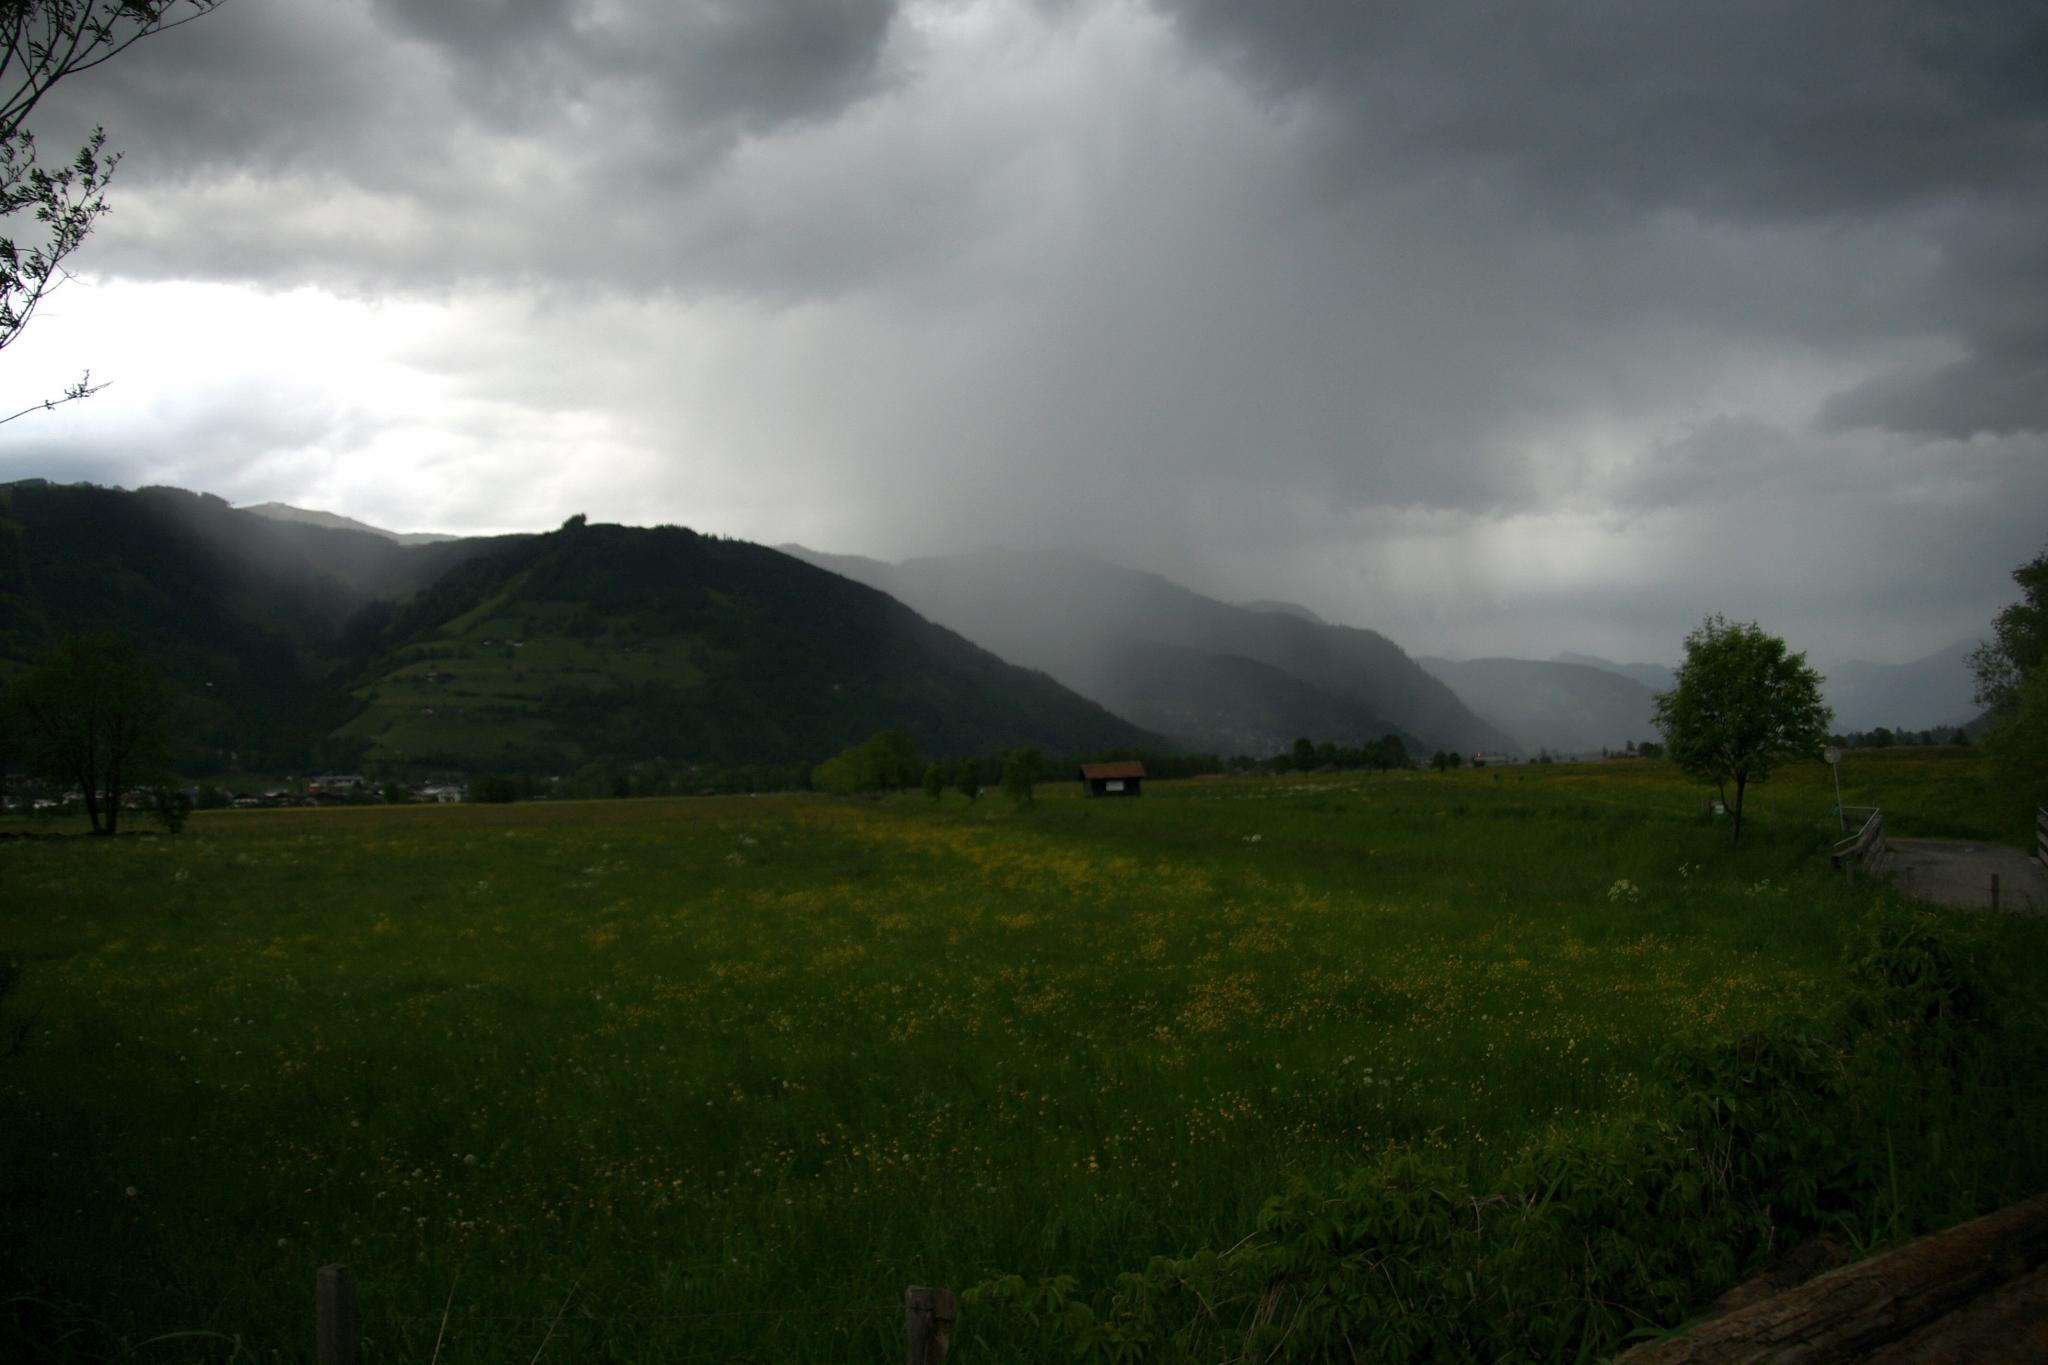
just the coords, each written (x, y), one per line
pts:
(245, 616)
(1927, 693)
(1210, 675)
(1935, 690)
(1567, 709)
(663, 645)
(1656, 677)
(291, 644)
(333, 521)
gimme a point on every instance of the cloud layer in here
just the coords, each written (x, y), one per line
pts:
(1504, 331)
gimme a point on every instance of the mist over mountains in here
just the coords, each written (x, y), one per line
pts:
(1562, 708)
(290, 644)
(294, 637)
(1210, 675)
(1928, 693)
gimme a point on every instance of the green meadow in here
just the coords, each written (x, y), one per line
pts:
(715, 1079)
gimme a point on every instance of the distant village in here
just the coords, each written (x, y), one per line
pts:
(322, 789)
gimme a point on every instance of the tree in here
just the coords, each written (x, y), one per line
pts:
(1021, 771)
(2016, 751)
(41, 43)
(969, 780)
(1741, 706)
(881, 762)
(935, 780)
(12, 746)
(94, 715)
(2018, 643)
(2012, 679)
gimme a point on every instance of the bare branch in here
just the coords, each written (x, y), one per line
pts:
(84, 388)
(41, 43)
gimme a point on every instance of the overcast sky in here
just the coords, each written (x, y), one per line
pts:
(1501, 329)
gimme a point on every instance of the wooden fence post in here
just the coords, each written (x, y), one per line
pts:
(928, 1316)
(334, 1316)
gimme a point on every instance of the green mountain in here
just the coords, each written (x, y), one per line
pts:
(1098, 628)
(243, 616)
(662, 644)
(291, 644)
(1233, 704)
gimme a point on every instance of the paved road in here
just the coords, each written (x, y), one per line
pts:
(1958, 873)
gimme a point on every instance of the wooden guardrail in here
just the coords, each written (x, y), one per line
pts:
(1865, 848)
(1974, 1292)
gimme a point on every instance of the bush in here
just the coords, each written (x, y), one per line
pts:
(172, 806)
(1588, 1237)
(493, 789)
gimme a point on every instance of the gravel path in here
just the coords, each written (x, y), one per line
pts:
(1956, 872)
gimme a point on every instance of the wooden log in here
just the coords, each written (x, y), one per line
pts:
(2010, 1324)
(928, 1317)
(334, 1316)
(1847, 1313)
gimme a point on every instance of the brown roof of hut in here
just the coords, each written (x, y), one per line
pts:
(1126, 768)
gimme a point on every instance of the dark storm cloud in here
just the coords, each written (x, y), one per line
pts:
(411, 141)
(1934, 116)
(1757, 110)
(1561, 323)
(761, 62)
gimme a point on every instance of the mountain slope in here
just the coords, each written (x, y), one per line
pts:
(633, 644)
(1080, 620)
(279, 511)
(240, 614)
(1656, 677)
(1566, 708)
(1922, 694)
(1228, 704)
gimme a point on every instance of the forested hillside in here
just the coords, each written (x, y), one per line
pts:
(606, 641)
(290, 645)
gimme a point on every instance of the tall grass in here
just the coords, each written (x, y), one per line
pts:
(724, 1075)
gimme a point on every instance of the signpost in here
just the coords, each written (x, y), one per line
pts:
(1834, 758)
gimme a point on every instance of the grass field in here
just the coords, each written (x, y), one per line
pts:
(715, 1079)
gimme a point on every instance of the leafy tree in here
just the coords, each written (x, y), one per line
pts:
(94, 715)
(1742, 705)
(969, 780)
(881, 762)
(1304, 757)
(172, 807)
(41, 43)
(2016, 749)
(1021, 771)
(2018, 643)
(935, 780)
(2012, 679)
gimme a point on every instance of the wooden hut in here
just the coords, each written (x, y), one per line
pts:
(1112, 779)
